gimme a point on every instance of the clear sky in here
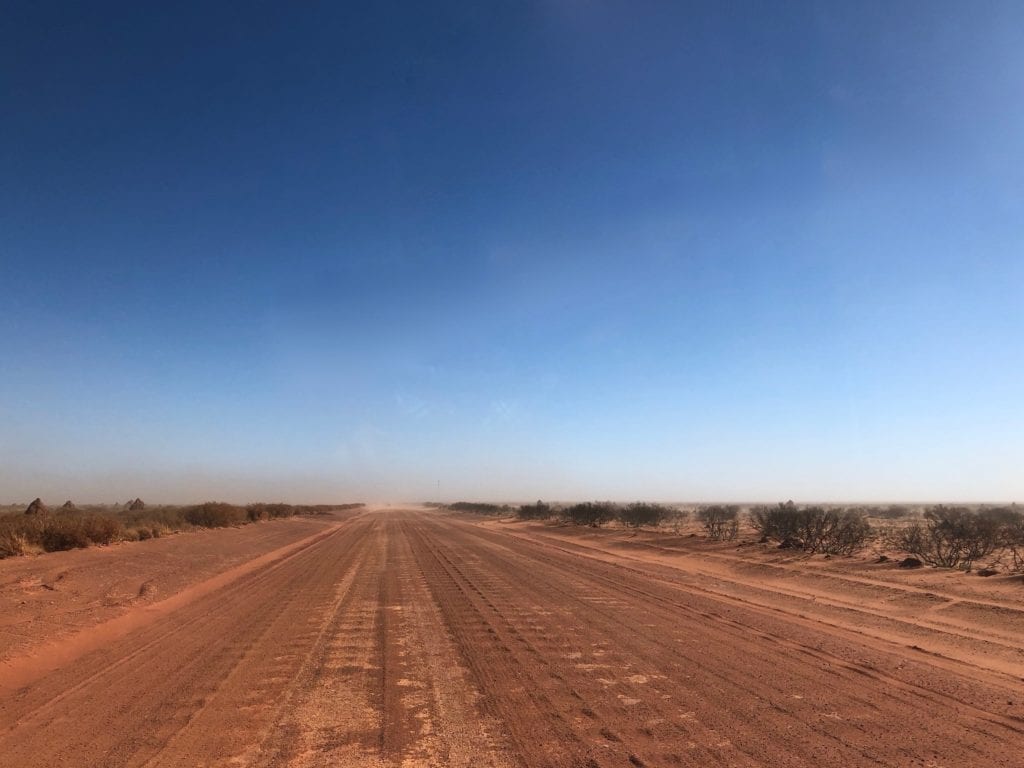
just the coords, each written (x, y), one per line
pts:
(557, 249)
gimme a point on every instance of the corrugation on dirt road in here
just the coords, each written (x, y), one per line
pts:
(406, 638)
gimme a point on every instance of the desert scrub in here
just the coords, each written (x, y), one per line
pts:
(643, 513)
(814, 529)
(720, 521)
(592, 513)
(12, 543)
(215, 514)
(538, 511)
(74, 528)
(954, 537)
(480, 508)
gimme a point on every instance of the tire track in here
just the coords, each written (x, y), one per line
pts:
(746, 660)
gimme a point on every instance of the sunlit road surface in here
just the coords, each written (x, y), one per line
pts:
(411, 638)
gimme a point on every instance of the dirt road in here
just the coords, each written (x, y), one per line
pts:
(407, 638)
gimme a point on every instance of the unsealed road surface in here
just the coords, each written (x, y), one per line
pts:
(408, 638)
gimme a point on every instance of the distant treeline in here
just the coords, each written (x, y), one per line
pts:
(939, 535)
(478, 508)
(40, 529)
(593, 513)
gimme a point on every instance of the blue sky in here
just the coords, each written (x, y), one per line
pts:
(677, 251)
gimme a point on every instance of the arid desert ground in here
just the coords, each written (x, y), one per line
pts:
(406, 636)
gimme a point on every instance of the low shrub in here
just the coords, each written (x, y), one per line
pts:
(480, 508)
(165, 518)
(262, 511)
(62, 533)
(813, 529)
(641, 513)
(592, 513)
(837, 531)
(778, 522)
(954, 537)
(71, 528)
(12, 542)
(677, 519)
(1013, 539)
(100, 529)
(538, 511)
(720, 521)
(890, 512)
(216, 514)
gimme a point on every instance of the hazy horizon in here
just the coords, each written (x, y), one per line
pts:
(543, 250)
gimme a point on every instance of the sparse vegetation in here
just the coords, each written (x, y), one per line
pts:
(69, 528)
(642, 513)
(1013, 538)
(890, 511)
(813, 529)
(592, 513)
(952, 537)
(720, 521)
(480, 508)
(214, 514)
(538, 511)
(778, 522)
(12, 542)
(955, 537)
(840, 532)
(677, 519)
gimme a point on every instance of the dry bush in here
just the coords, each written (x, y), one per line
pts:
(890, 512)
(19, 534)
(641, 513)
(813, 529)
(72, 529)
(779, 522)
(841, 532)
(720, 521)
(538, 511)
(953, 537)
(12, 542)
(154, 522)
(832, 531)
(677, 519)
(101, 529)
(62, 533)
(480, 508)
(261, 511)
(216, 514)
(1013, 540)
(592, 513)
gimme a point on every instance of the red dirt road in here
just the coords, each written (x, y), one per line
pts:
(408, 638)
